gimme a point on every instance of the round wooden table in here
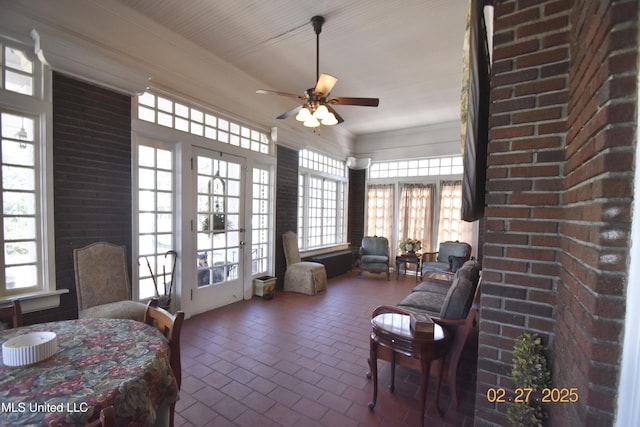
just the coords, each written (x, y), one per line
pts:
(99, 362)
(393, 331)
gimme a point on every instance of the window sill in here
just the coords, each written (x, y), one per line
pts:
(37, 301)
(324, 250)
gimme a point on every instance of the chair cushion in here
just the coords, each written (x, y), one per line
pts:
(368, 259)
(458, 299)
(126, 309)
(440, 266)
(427, 286)
(470, 270)
(428, 302)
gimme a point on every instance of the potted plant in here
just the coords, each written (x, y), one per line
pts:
(410, 245)
(530, 371)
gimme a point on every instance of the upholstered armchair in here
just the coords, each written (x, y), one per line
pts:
(374, 255)
(301, 276)
(449, 257)
(102, 283)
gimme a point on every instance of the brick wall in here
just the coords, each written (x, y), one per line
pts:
(92, 177)
(286, 204)
(357, 194)
(558, 198)
(597, 197)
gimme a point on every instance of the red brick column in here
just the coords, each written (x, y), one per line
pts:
(559, 188)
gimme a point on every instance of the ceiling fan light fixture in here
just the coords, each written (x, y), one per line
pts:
(303, 115)
(330, 120)
(321, 112)
(312, 122)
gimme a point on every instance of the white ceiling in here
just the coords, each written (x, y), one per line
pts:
(408, 53)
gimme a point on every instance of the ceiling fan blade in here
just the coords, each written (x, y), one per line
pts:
(335, 113)
(364, 102)
(273, 92)
(325, 84)
(290, 112)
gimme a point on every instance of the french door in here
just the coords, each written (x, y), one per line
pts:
(219, 230)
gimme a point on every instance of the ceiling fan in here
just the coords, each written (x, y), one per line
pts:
(317, 107)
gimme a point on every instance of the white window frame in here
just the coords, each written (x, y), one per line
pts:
(261, 221)
(156, 259)
(38, 107)
(315, 166)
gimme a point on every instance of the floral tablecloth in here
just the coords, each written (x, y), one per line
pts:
(99, 362)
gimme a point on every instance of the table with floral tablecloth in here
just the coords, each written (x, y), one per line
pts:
(99, 362)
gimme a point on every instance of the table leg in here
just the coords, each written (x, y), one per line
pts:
(397, 269)
(373, 366)
(440, 368)
(424, 386)
(392, 386)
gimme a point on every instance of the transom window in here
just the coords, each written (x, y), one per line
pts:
(17, 70)
(419, 167)
(186, 118)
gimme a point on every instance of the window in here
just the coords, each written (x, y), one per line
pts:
(419, 167)
(416, 213)
(411, 199)
(260, 222)
(26, 244)
(451, 226)
(321, 200)
(156, 219)
(17, 70)
(21, 219)
(380, 200)
(180, 116)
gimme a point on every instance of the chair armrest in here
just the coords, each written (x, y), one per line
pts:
(438, 275)
(448, 322)
(431, 255)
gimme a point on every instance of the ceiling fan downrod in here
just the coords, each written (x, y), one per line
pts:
(317, 22)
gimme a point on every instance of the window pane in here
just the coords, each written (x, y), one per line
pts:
(15, 203)
(20, 253)
(19, 83)
(18, 178)
(17, 60)
(24, 276)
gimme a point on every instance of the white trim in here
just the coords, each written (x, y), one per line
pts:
(628, 401)
(70, 57)
(37, 301)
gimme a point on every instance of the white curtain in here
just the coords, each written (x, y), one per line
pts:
(450, 224)
(416, 213)
(380, 210)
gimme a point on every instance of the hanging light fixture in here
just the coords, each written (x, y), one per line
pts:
(22, 136)
(321, 115)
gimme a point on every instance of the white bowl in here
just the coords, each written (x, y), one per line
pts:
(29, 348)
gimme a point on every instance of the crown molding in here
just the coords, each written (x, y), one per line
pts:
(90, 64)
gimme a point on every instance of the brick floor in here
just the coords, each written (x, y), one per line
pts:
(300, 360)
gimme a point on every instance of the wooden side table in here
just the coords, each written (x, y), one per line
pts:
(405, 259)
(392, 330)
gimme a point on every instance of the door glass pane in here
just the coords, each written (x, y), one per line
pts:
(218, 241)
